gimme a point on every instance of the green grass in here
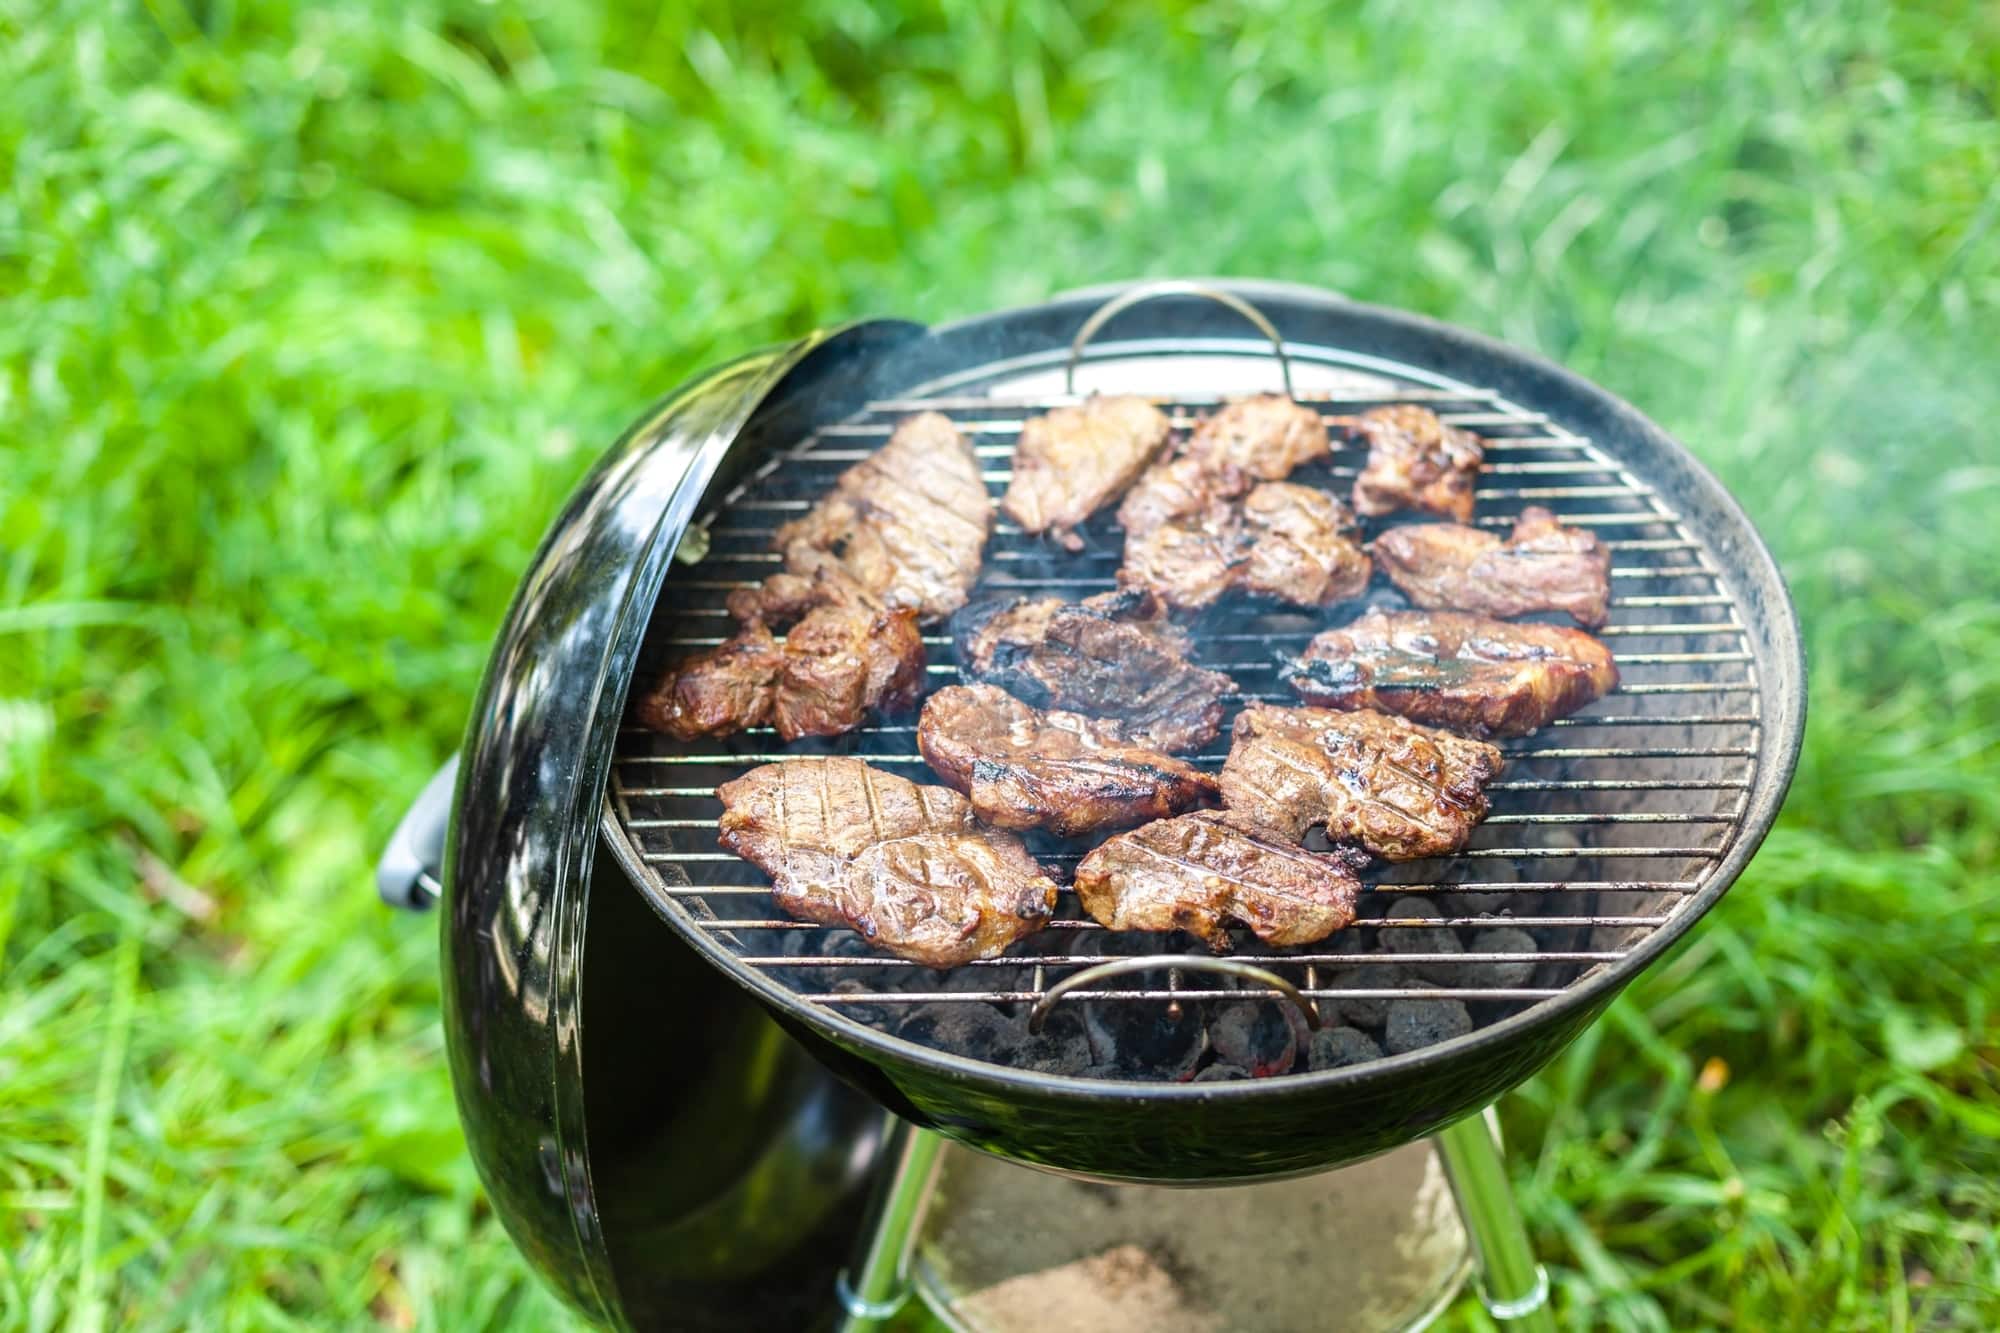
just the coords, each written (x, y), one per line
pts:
(308, 317)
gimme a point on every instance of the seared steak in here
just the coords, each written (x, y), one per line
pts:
(1115, 655)
(846, 655)
(1075, 460)
(908, 523)
(1543, 566)
(1070, 774)
(1290, 542)
(1202, 872)
(1398, 790)
(1415, 461)
(907, 866)
(1176, 489)
(1266, 437)
(1470, 673)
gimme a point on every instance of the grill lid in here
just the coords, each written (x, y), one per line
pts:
(537, 749)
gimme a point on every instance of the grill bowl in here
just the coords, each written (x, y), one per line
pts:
(1611, 833)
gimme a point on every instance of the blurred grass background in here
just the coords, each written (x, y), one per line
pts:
(310, 315)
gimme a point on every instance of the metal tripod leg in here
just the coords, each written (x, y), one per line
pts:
(876, 1287)
(1514, 1288)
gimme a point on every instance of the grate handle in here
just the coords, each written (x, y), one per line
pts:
(1148, 291)
(409, 873)
(1118, 967)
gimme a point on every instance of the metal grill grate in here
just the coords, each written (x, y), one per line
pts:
(1603, 825)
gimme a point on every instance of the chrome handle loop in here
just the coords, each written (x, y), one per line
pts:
(1147, 291)
(1118, 967)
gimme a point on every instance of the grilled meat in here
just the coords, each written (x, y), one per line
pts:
(1064, 772)
(1266, 437)
(1399, 790)
(1543, 566)
(1075, 460)
(1305, 546)
(907, 524)
(1179, 488)
(1293, 543)
(846, 654)
(1415, 461)
(907, 866)
(1204, 871)
(1115, 655)
(1472, 674)
(1250, 440)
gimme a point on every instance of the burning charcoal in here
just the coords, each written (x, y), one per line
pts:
(875, 1015)
(1503, 939)
(1414, 1024)
(1222, 1073)
(1422, 939)
(1254, 1035)
(1144, 1038)
(976, 1031)
(1336, 1048)
(1363, 1013)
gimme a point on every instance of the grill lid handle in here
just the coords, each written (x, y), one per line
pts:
(1148, 291)
(1118, 967)
(409, 873)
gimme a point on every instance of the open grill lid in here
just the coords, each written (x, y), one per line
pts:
(523, 836)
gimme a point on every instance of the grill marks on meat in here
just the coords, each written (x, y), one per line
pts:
(1073, 461)
(1470, 673)
(1070, 774)
(1415, 461)
(1202, 872)
(907, 524)
(1265, 437)
(1113, 656)
(1542, 566)
(847, 654)
(1398, 790)
(907, 866)
(1293, 543)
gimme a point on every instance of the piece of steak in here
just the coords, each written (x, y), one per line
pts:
(1470, 673)
(907, 866)
(1073, 461)
(846, 655)
(1416, 461)
(1115, 655)
(1023, 768)
(1541, 566)
(1385, 784)
(908, 524)
(1206, 871)
(1285, 541)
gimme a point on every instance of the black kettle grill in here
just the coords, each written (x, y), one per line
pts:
(676, 1097)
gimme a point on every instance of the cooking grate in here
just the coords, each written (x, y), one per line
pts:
(1603, 827)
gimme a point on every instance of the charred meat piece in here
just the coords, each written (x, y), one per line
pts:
(1115, 655)
(1470, 673)
(1415, 461)
(1265, 437)
(1385, 784)
(846, 655)
(1070, 774)
(1543, 566)
(1294, 543)
(1075, 460)
(907, 524)
(1204, 871)
(907, 866)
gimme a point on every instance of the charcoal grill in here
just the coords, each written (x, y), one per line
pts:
(1611, 832)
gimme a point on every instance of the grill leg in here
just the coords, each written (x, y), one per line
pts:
(1514, 1288)
(877, 1285)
